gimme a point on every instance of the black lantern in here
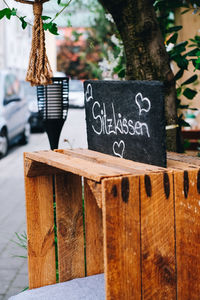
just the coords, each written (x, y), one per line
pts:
(53, 103)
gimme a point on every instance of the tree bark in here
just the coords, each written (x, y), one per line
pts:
(146, 56)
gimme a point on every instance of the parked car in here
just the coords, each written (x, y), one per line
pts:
(14, 114)
(36, 120)
(76, 94)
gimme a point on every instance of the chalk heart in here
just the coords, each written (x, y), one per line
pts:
(89, 93)
(143, 103)
(118, 148)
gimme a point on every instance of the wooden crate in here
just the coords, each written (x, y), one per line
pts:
(140, 224)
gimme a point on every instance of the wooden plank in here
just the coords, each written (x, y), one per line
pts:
(111, 161)
(180, 165)
(158, 237)
(194, 160)
(34, 168)
(187, 211)
(121, 225)
(69, 215)
(40, 231)
(96, 190)
(93, 233)
(74, 165)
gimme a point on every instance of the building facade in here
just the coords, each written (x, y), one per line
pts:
(14, 41)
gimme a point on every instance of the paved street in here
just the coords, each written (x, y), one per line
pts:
(13, 269)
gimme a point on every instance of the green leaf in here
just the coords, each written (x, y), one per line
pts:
(183, 123)
(182, 62)
(24, 23)
(178, 91)
(189, 93)
(193, 108)
(190, 80)
(183, 106)
(178, 102)
(185, 11)
(52, 27)
(122, 73)
(193, 52)
(58, 1)
(44, 18)
(174, 28)
(76, 35)
(173, 38)
(7, 12)
(179, 74)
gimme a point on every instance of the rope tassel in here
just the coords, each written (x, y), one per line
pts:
(39, 70)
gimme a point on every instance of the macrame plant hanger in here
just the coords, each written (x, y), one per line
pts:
(39, 70)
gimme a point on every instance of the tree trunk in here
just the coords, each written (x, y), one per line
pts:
(146, 57)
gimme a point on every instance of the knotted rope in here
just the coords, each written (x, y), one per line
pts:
(39, 70)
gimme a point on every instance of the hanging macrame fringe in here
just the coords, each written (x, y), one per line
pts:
(39, 70)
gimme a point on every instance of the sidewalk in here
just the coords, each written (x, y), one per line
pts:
(13, 269)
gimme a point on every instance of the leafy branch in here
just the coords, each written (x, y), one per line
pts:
(8, 12)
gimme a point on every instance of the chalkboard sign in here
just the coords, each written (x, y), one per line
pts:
(126, 119)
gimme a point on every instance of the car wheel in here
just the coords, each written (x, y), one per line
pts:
(26, 134)
(3, 143)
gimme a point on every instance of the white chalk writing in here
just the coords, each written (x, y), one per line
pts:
(115, 123)
(143, 104)
(118, 148)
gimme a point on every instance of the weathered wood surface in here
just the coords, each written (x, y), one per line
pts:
(121, 225)
(33, 168)
(151, 223)
(69, 216)
(93, 232)
(96, 190)
(74, 165)
(157, 237)
(194, 160)
(111, 161)
(40, 231)
(187, 215)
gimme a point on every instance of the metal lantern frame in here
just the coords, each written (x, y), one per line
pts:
(53, 104)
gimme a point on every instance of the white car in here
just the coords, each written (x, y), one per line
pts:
(76, 94)
(14, 113)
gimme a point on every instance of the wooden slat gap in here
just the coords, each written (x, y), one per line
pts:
(96, 189)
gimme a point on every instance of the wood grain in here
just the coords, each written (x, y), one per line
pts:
(111, 161)
(194, 160)
(96, 190)
(33, 168)
(69, 215)
(157, 237)
(40, 231)
(187, 210)
(121, 225)
(74, 165)
(93, 233)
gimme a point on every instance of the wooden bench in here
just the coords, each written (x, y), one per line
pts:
(193, 137)
(140, 225)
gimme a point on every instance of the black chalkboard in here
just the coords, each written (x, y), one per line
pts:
(126, 119)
